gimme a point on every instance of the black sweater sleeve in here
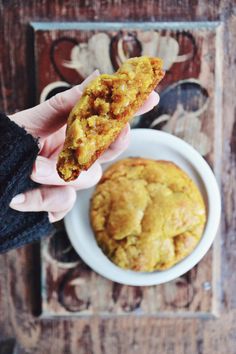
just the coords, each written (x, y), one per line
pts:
(18, 151)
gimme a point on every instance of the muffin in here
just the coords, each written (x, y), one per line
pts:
(107, 104)
(147, 215)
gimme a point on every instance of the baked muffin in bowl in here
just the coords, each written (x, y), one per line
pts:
(182, 191)
(147, 215)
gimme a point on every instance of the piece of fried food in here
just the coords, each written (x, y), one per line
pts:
(106, 105)
(147, 215)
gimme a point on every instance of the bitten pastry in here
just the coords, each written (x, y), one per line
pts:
(106, 105)
(147, 215)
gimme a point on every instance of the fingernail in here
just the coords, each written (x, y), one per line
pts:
(18, 199)
(43, 168)
(123, 136)
(78, 89)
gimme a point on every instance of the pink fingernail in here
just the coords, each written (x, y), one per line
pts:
(18, 199)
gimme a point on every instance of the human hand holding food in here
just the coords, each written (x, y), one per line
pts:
(47, 123)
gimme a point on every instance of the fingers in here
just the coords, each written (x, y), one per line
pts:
(49, 116)
(45, 172)
(120, 145)
(63, 102)
(57, 201)
(123, 138)
(53, 144)
(151, 102)
(56, 216)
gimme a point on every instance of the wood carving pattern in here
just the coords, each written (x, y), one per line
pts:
(186, 109)
(73, 62)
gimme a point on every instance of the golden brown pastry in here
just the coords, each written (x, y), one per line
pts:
(147, 215)
(106, 105)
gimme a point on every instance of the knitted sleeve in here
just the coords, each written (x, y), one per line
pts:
(18, 151)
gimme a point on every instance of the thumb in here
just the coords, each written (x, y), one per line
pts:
(45, 172)
(49, 116)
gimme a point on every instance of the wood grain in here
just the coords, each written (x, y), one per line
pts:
(133, 333)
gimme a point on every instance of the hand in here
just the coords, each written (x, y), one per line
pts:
(47, 121)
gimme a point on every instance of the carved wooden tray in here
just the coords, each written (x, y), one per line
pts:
(65, 53)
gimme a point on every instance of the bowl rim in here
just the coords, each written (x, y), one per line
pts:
(213, 219)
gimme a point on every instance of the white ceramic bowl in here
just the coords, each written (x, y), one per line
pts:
(157, 145)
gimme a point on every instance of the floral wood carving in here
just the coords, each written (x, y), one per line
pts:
(186, 109)
(106, 53)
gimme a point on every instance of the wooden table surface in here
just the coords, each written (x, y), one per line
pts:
(50, 301)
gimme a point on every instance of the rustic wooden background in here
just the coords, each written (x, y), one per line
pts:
(21, 327)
